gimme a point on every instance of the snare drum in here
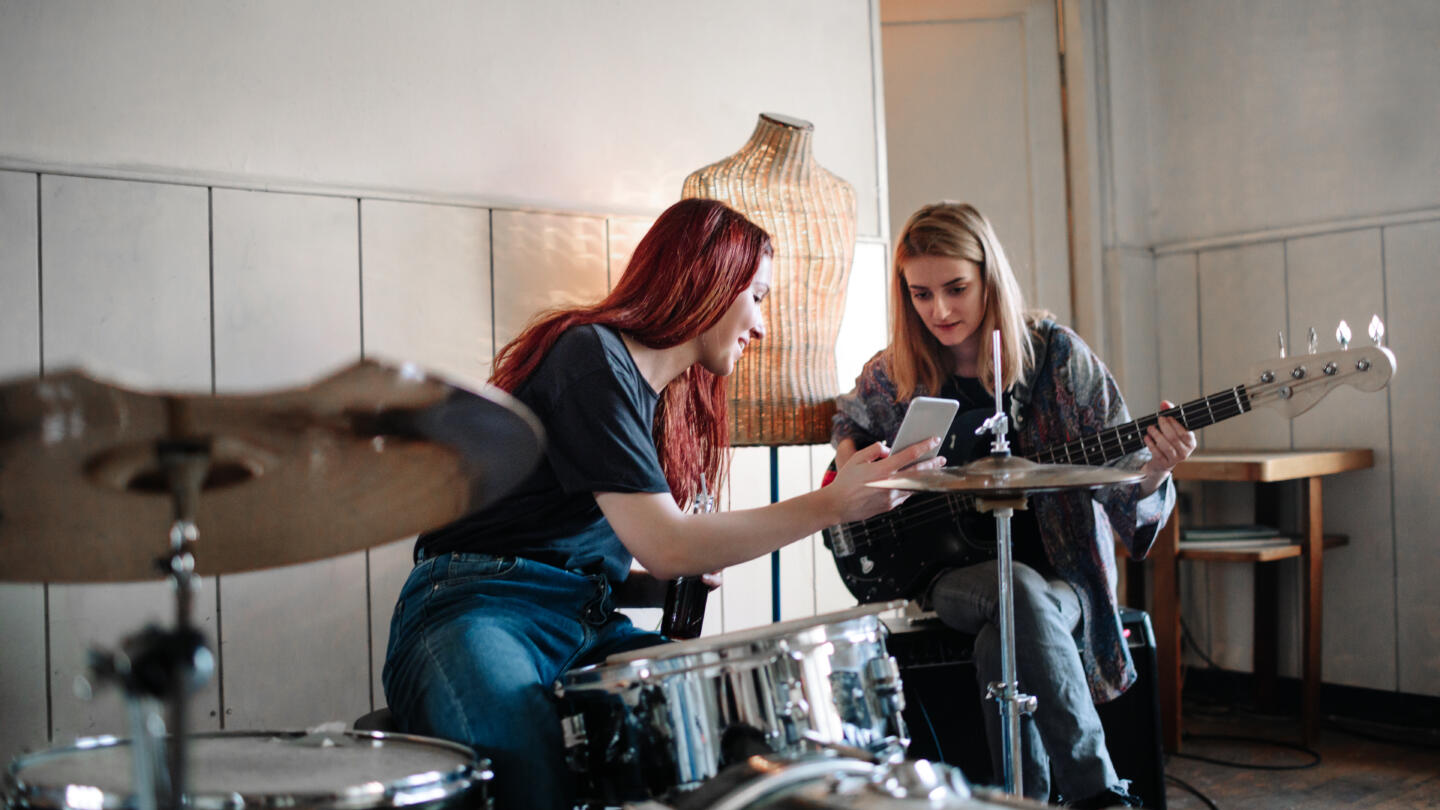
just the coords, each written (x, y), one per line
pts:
(657, 721)
(228, 770)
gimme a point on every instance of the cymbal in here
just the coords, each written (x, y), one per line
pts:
(369, 454)
(1008, 475)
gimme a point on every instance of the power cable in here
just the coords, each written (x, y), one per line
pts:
(1189, 788)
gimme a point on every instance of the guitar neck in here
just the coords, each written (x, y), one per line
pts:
(1112, 443)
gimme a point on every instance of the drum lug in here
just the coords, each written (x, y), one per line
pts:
(793, 712)
(884, 677)
(576, 741)
(795, 705)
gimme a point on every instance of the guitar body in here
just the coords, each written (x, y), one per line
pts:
(885, 558)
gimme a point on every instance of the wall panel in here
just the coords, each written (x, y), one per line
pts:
(22, 633)
(126, 281)
(1177, 334)
(830, 591)
(622, 235)
(126, 294)
(748, 585)
(1132, 280)
(287, 309)
(1242, 306)
(19, 275)
(1333, 277)
(1412, 286)
(22, 670)
(287, 299)
(798, 559)
(426, 287)
(544, 261)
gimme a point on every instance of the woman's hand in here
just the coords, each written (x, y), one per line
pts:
(1169, 443)
(856, 499)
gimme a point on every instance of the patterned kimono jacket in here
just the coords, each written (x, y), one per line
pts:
(1069, 393)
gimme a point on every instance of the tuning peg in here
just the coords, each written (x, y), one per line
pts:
(1313, 342)
(1377, 330)
(1280, 338)
(1342, 335)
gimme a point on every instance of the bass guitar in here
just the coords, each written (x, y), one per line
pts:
(895, 554)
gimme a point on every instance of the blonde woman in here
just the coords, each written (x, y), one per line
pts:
(951, 287)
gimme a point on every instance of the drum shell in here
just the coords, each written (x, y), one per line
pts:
(229, 770)
(668, 718)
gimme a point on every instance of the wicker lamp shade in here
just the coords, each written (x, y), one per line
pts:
(783, 390)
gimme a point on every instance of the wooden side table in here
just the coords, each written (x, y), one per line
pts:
(1305, 467)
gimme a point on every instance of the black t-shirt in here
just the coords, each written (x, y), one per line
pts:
(962, 446)
(597, 410)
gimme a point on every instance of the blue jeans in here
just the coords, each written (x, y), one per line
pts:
(1064, 738)
(477, 643)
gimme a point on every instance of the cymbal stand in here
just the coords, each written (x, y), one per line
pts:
(166, 665)
(1006, 692)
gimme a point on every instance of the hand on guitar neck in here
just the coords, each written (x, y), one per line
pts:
(1169, 444)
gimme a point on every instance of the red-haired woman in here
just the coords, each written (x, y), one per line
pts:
(632, 397)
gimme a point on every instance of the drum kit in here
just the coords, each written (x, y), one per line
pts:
(100, 483)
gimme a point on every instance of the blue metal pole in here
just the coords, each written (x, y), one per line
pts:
(774, 555)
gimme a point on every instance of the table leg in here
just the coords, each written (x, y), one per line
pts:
(1314, 580)
(1166, 613)
(1264, 657)
(1265, 650)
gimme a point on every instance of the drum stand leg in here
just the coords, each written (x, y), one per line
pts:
(1006, 692)
(166, 664)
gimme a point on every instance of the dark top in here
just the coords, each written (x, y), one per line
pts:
(597, 410)
(962, 446)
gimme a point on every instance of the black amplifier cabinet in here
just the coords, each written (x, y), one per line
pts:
(943, 707)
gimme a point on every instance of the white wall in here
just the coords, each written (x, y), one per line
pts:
(245, 196)
(585, 106)
(1280, 162)
(973, 113)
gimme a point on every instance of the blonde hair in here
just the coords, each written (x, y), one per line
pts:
(917, 361)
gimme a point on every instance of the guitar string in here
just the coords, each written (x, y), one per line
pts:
(1232, 399)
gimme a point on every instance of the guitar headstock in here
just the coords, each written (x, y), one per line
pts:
(1292, 385)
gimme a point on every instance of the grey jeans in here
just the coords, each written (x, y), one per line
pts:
(1064, 738)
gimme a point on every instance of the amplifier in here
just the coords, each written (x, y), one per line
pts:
(943, 706)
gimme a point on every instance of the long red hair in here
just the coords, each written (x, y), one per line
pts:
(686, 272)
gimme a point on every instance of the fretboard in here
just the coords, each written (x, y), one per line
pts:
(1112, 443)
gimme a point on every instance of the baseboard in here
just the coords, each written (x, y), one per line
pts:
(1336, 700)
